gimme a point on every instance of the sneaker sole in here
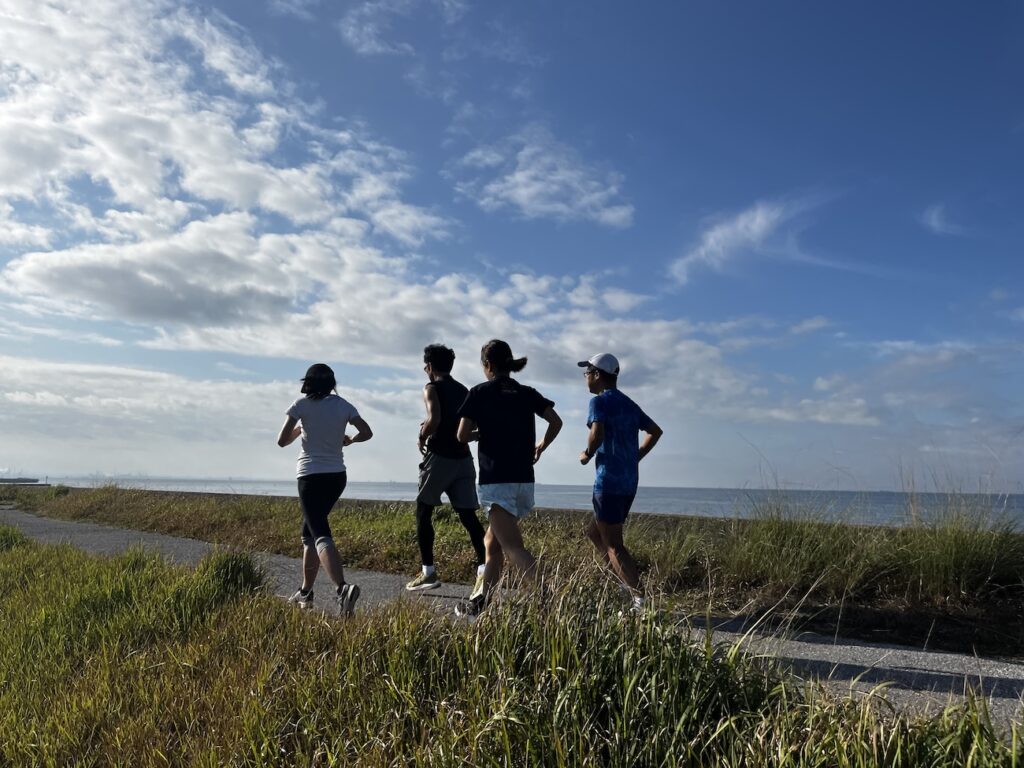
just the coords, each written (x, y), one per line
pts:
(422, 587)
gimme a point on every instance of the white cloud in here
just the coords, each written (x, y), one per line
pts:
(619, 300)
(730, 238)
(300, 9)
(210, 272)
(14, 232)
(916, 353)
(828, 383)
(810, 325)
(22, 331)
(366, 27)
(725, 327)
(935, 219)
(838, 411)
(160, 186)
(150, 133)
(224, 50)
(542, 178)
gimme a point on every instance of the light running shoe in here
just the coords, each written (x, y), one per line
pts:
(478, 588)
(347, 596)
(302, 599)
(472, 607)
(423, 581)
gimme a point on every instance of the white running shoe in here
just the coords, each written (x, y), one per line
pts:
(423, 581)
(302, 599)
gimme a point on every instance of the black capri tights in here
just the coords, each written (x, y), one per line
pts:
(317, 496)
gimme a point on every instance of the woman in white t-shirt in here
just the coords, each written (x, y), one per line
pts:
(320, 418)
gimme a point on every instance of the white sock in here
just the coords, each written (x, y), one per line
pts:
(480, 570)
(428, 570)
(638, 601)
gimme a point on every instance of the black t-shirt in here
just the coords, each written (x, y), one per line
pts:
(504, 411)
(450, 394)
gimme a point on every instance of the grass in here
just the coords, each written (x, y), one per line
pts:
(127, 661)
(954, 579)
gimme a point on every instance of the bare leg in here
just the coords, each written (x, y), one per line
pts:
(310, 566)
(505, 528)
(331, 561)
(493, 562)
(619, 557)
(595, 536)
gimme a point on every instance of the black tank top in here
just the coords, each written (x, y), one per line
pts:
(443, 442)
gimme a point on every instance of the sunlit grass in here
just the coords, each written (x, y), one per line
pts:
(958, 564)
(128, 661)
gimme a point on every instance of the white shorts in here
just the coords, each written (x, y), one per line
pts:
(514, 498)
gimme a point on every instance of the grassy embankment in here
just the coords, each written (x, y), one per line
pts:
(953, 581)
(128, 661)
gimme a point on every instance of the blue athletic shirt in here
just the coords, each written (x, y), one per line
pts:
(618, 457)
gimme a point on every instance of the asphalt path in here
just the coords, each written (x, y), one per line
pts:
(914, 679)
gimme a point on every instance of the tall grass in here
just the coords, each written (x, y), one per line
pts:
(958, 561)
(130, 662)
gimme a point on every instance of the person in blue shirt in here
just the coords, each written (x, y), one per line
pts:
(613, 442)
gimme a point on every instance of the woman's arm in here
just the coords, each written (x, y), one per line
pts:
(467, 432)
(363, 432)
(288, 432)
(554, 427)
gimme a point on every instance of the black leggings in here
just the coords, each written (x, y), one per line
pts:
(317, 496)
(425, 531)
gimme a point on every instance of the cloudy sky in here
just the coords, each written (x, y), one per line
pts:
(799, 226)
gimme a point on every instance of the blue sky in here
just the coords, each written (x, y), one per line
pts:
(797, 224)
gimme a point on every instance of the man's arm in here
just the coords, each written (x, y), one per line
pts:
(554, 427)
(288, 432)
(362, 434)
(594, 439)
(654, 434)
(433, 405)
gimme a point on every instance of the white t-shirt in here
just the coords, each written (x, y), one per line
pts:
(323, 431)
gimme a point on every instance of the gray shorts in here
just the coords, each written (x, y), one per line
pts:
(454, 477)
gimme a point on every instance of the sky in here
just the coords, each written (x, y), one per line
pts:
(798, 225)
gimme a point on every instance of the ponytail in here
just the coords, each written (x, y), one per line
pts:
(498, 354)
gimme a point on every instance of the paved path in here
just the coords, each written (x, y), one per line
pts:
(915, 679)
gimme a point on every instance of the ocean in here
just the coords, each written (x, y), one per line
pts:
(862, 507)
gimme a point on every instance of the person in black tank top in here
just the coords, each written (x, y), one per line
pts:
(447, 466)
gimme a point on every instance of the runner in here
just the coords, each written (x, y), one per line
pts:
(320, 418)
(615, 422)
(500, 413)
(447, 465)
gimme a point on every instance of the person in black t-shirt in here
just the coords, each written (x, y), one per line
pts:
(447, 465)
(500, 413)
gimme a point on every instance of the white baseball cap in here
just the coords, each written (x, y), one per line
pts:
(603, 362)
